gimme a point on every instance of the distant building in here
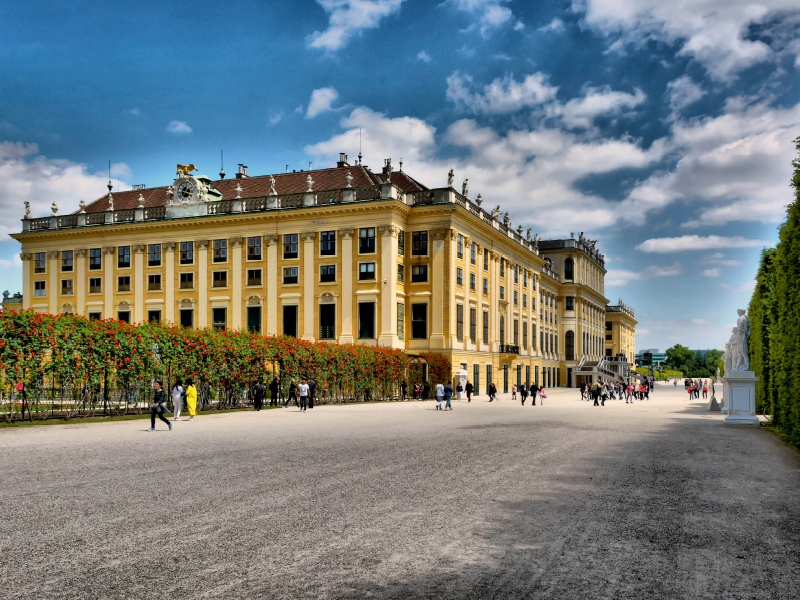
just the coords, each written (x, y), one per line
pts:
(659, 358)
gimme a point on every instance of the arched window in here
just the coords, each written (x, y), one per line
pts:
(502, 330)
(569, 345)
(569, 267)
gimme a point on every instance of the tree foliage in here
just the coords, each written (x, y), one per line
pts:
(693, 364)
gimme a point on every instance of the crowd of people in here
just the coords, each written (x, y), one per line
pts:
(694, 387)
(600, 391)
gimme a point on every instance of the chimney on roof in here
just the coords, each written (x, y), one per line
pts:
(242, 174)
(342, 160)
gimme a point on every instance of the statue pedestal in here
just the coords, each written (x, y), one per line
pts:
(740, 398)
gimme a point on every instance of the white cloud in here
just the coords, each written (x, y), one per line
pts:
(746, 287)
(178, 127)
(581, 112)
(682, 92)
(27, 175)
(718, 258)
(700, 322)
(502, 95)
(715, 272)
(347, 18)
(622, 277)
(490, 13)
(321, 101)
(519, 26)
(423, 56)
(135, 111)
(696, 242)
(275, 117)
(714, 35)
(554, 25)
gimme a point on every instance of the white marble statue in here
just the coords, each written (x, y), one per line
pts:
(450, 178)
(496, 212)
(727, 357)
(310, 183)
(349, 179)
(465, 188)
(27, 209)
(741, 359)
(54, 208)
(272, 191)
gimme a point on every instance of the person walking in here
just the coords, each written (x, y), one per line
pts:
(523, 393)
(274, 386)
(404, 391)
(439, 396)
(303, 390)
(469, 388)
(157, 408)
(191, 399)
(292, 395)
(448, 395)
(177, 400)
(534, 393)
(514, 392)
(259, 391)
(542, 395)
(705, 389)
(492, 389)
(312, 390)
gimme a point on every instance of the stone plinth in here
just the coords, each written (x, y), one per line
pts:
(740, 398)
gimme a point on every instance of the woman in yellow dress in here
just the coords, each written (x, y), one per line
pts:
(191, 399)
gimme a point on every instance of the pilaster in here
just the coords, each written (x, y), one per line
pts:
(202, 284)
(52, 259)
(308, 298)
(388, 297)
(437, 299)
(138, 282)
(346, 333)
(80, 281)
(450, 299)
(271, 242)
(169, 288)
(236, 283)
(108, 282)
(27, 288)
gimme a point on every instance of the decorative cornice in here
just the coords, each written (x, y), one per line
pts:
(52, 254)
(439, 234)
(270, 238)
(80, 252)
(169, 246)
(108, 249)
(236, 241)
(25, 255)
(388, 230)
(138, 248)
(309, 236)
(453, 234)
(254, 300)
(346, 233)
(202, 243)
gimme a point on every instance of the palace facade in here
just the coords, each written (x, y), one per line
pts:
(343, 255)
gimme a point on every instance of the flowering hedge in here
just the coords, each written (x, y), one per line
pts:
(71, 365)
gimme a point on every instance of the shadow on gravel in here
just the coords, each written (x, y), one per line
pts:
(695, 510)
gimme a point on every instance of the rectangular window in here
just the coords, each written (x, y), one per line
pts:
(486, 327)
(154, 255)
(459, 276)
(327, 273)
(533, 281)
(473, 251)
(401, 243)
(366, 240)
(327, 243)
(473, 324)
(516, 332)
(476, 378)
(39, 288)
(533, 336)
(570, 303)
(516, 297)
(459, 322)
(95, 316)
(254, 248)
(66, 287)
(290, 275)
(95, 285)
(187, 317)
(187, 254)
(460, 246)
(608, 325)
(419, 321)
(154, 282)
(366, 271)
(220, 251)
(485, 286)
(485, 259)
(401, 273)
(124, 257)
(366, 320)
(253, 276)
(219, 279)
(290, 320)
(124, 316)
(502, 292)
(254, 319)
(516, 273)
(124, 283)
(472, 281)
(66, 261)
(401, 320)
(327, 321)
(419, 273)
(609, 337)
(154, 316)
(524, 335)
(290, 245)
(524, 277)
(39, 262)
(187, 282)
(219, 318)
(419, 243)
(502, 267)
(524, 300)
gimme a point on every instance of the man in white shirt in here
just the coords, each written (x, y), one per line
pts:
(439, 396)
(303, 391)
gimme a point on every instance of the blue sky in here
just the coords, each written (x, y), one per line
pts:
(664, 130)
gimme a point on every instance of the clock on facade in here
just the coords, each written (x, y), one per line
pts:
(185, 191)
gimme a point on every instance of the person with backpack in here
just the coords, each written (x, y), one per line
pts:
(157, 408)
(191, 399)
(178, 394)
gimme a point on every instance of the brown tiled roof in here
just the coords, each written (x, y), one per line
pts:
(258, 187)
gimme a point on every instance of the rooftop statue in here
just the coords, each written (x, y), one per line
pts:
(465, 187)
(186, 169)
(27, 209)
(310, 183)
(450, 177)
(496, 212)
(272, 191)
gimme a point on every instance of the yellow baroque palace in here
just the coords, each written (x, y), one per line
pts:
(344, 255)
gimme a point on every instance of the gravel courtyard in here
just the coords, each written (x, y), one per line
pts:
(657, 499)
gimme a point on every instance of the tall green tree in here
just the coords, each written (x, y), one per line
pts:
(680, 358)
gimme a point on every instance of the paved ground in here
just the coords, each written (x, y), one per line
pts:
(657, 499)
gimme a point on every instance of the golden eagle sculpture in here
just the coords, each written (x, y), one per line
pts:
(186, 169)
